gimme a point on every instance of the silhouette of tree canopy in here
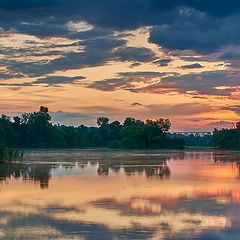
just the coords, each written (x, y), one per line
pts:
(35, 130)
(238, 125)
(227, 138)
(36, 173)
(102, 121)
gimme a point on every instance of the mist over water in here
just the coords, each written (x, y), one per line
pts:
(102, 194)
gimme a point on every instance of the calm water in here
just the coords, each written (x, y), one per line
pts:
(93, 194)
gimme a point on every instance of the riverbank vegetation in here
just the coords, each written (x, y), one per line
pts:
(35, 130)
(10, 155)
(227, 138)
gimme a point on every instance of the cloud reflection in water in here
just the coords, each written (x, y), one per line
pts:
(114, 195)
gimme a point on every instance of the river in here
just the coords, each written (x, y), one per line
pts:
(102, 194)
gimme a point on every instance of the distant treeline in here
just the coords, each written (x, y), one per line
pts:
(35, 130)
(227, 138)
(195, 140)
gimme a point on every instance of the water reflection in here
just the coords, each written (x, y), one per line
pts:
(122, 195)
(28, 173)
(149, 166)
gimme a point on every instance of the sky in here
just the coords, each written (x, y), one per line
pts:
(147, 59)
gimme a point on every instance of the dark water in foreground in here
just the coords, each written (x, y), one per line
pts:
(93, 194)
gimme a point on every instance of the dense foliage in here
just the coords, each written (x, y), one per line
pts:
(227, 138)
(35, 130)
(195, 140)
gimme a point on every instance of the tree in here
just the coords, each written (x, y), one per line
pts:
(36, 130)
(38, 127)
(102, 121)
(43, 109)
(129, 121)
(161, 123)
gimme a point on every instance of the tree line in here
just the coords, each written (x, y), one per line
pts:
(35, 130)
(227, 138)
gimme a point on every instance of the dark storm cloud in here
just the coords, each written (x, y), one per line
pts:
(213, 7)
(96, 52)
(111, 84)
(88, 52)
(57, 28)
(135, 65)
(52, 80)
(163, 62)
(222, 83)
(200, 25)
(18, 5)
(103, 44)
(194, 65)
(5, 75)
(49, 80)
(42, 29)
(232, 54)
(16, 85)
(197, 32)
(202, 83)
(125, 81)
(114, 13)
(135, 54)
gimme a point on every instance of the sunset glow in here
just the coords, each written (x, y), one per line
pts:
(83, 67)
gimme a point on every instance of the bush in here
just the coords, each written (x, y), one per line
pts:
(10, 155)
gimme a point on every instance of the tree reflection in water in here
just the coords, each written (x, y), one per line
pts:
(41, 173)
(150, 167)
(106, 164)
(29, 173)
(228, 156)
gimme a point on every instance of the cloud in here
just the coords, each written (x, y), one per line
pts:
(136, 104)
(220, 124)
(52, 80)
(198, 33)
(176, 25)
(218, 83)
(230, 53)
(182, 109)
(17, 85)
(96, 52)
(6, 75)
(68, 117)
(163, 62)
(79, 54)
(135, 54)
(99, 109)
(126, 81)
(234, 108)
(49, 80)
(13, 5)
(135, 65)
(200, 25)
(222, 83)
(194, 65)
(86, 37)
(114, 14)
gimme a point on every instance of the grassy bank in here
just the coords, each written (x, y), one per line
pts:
(10, 155)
